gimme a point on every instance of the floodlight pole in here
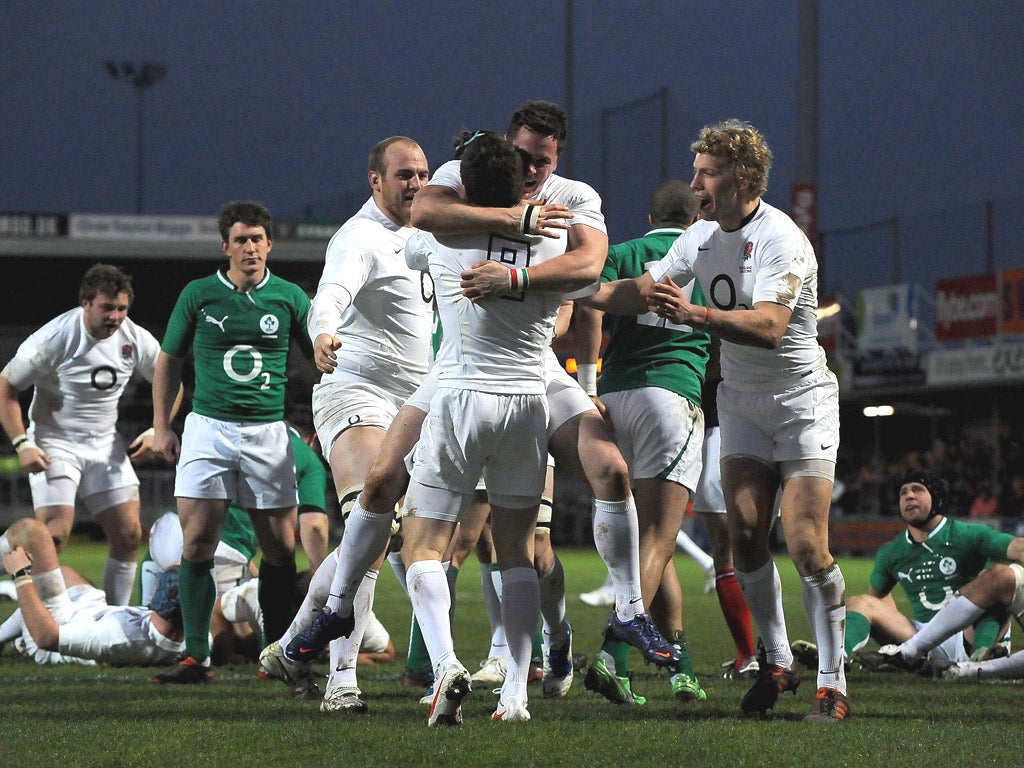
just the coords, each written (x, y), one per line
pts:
(141, 76)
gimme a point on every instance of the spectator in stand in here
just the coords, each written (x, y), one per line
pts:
(1012, 502)
(985, 503)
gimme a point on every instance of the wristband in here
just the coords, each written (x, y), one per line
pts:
(586, 375)
(531, 215)
(513, 280)
(24, 444)
(19, 441)
(707, 319)
(524, 278)
(22, 575)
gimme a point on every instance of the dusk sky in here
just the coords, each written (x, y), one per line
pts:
(921, 104)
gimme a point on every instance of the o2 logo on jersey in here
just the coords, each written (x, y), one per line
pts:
(947, 566)
(103, 377)
(269, 325)
(257, 365)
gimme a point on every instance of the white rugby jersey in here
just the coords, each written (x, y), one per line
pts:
(79, 379)
(119, 635)
(497, 345)
(385, 329)
(768, 259)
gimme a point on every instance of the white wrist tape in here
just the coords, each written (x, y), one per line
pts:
(24, 446)
(586, 375)
(531, 215)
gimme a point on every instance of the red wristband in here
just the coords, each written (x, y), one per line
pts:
(707, 318)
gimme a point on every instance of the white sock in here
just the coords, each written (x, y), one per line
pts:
(316, 596)
(955, 615)
(366, 535)
(1009, 667)
(520, 610)
(499, 646)
(690, 547)
(824, 600)
(617, 540)
(552, 606)
(344, 651)
(148, 580)
(428, 592)
(762, 589)
(395, 561)
(118, 580)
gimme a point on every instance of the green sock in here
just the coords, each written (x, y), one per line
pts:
(987, 631)
(418, 660)
(858, 630)
(198, 592)
(538, 645)
(619, 651)
(684, 653)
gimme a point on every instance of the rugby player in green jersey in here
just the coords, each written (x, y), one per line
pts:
(239, 324)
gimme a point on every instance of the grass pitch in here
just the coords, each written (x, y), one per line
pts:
(102, 716)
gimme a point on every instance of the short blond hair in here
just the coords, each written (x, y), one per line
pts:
(744, 147)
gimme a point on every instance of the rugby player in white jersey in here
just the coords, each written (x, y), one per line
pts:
(581, 441)
(778, 403)
(370, 326)
(76, 624)
(79, 364)
(488, 416)
(556, 208)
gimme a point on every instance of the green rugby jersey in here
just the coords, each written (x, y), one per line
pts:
(647, 350)
(240, 343)
(932, 570)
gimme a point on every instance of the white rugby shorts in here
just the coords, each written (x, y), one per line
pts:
(798, 422)
(659, 433)
(252, 464)
(467, 433)
(340, 405)
(95, 469)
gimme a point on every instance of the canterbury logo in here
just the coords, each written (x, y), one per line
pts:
(218, 323)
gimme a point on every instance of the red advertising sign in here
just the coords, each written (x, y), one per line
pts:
(966, 307)
(1012, 300)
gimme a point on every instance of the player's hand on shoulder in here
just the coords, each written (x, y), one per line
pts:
(536, 217)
